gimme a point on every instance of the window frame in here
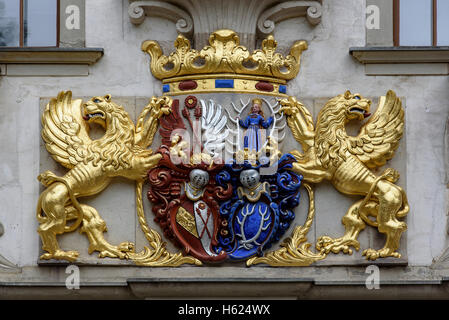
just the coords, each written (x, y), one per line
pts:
(383, 56)
(396, 23)
(22, 28)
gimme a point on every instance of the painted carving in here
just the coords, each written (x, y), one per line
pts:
(261, 208)
(183, 191)
(224, 55)
(216, 210)
(122, 151)
(330, 154)
(220, 186)
(253, 123)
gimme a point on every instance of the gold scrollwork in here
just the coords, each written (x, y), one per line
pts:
(157, 255)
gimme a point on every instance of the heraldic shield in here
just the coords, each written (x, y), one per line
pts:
(220, 184)
(223, 190)
(227, 191)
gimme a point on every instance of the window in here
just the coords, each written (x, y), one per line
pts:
(29, 23)
(421, 23)
(405, 37)
(44, 38)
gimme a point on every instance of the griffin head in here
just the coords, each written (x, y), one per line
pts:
(96, 109)
(357, 107)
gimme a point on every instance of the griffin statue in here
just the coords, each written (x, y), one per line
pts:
(330, 154)
(122, 151)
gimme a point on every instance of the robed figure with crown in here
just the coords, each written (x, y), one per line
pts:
(253, 123)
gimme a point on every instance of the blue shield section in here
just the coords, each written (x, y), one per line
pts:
(253, 226)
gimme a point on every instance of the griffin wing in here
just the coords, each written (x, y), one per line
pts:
(64, 130)
(170, 122)
(379, 137)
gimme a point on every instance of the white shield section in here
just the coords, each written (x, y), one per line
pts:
(204, 225)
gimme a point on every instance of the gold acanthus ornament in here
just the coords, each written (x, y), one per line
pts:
(224, 55)
(122, 151)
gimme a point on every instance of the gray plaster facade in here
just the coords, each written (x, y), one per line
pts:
(327, 69)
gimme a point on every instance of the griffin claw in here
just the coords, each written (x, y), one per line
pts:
(327, 244)
(372, 254)
(121, 251)
(61, 255)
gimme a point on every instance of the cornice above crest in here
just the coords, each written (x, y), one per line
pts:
(138, 10)
(197, 19)
(312, 10)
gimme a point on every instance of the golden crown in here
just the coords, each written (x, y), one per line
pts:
(223, 58)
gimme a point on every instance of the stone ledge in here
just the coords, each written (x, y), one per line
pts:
(388, 61)
(230, 283)
(400, 54)
(224, 290)
(145, 289)
(50, 55)
(393, 69)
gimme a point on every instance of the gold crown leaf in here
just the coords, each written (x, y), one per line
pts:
(224, 55)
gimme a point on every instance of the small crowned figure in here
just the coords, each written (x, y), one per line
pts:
(253, 122)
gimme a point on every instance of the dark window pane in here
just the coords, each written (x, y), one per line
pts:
(9, 23)
(40, 23)
(442, 23)
(415, 23)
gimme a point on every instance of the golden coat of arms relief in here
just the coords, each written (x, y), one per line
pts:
(223, 186)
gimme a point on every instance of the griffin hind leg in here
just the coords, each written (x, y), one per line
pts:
(353, 225)
(53, 222)
(50, 244)
(94, 227)
(390, 202)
